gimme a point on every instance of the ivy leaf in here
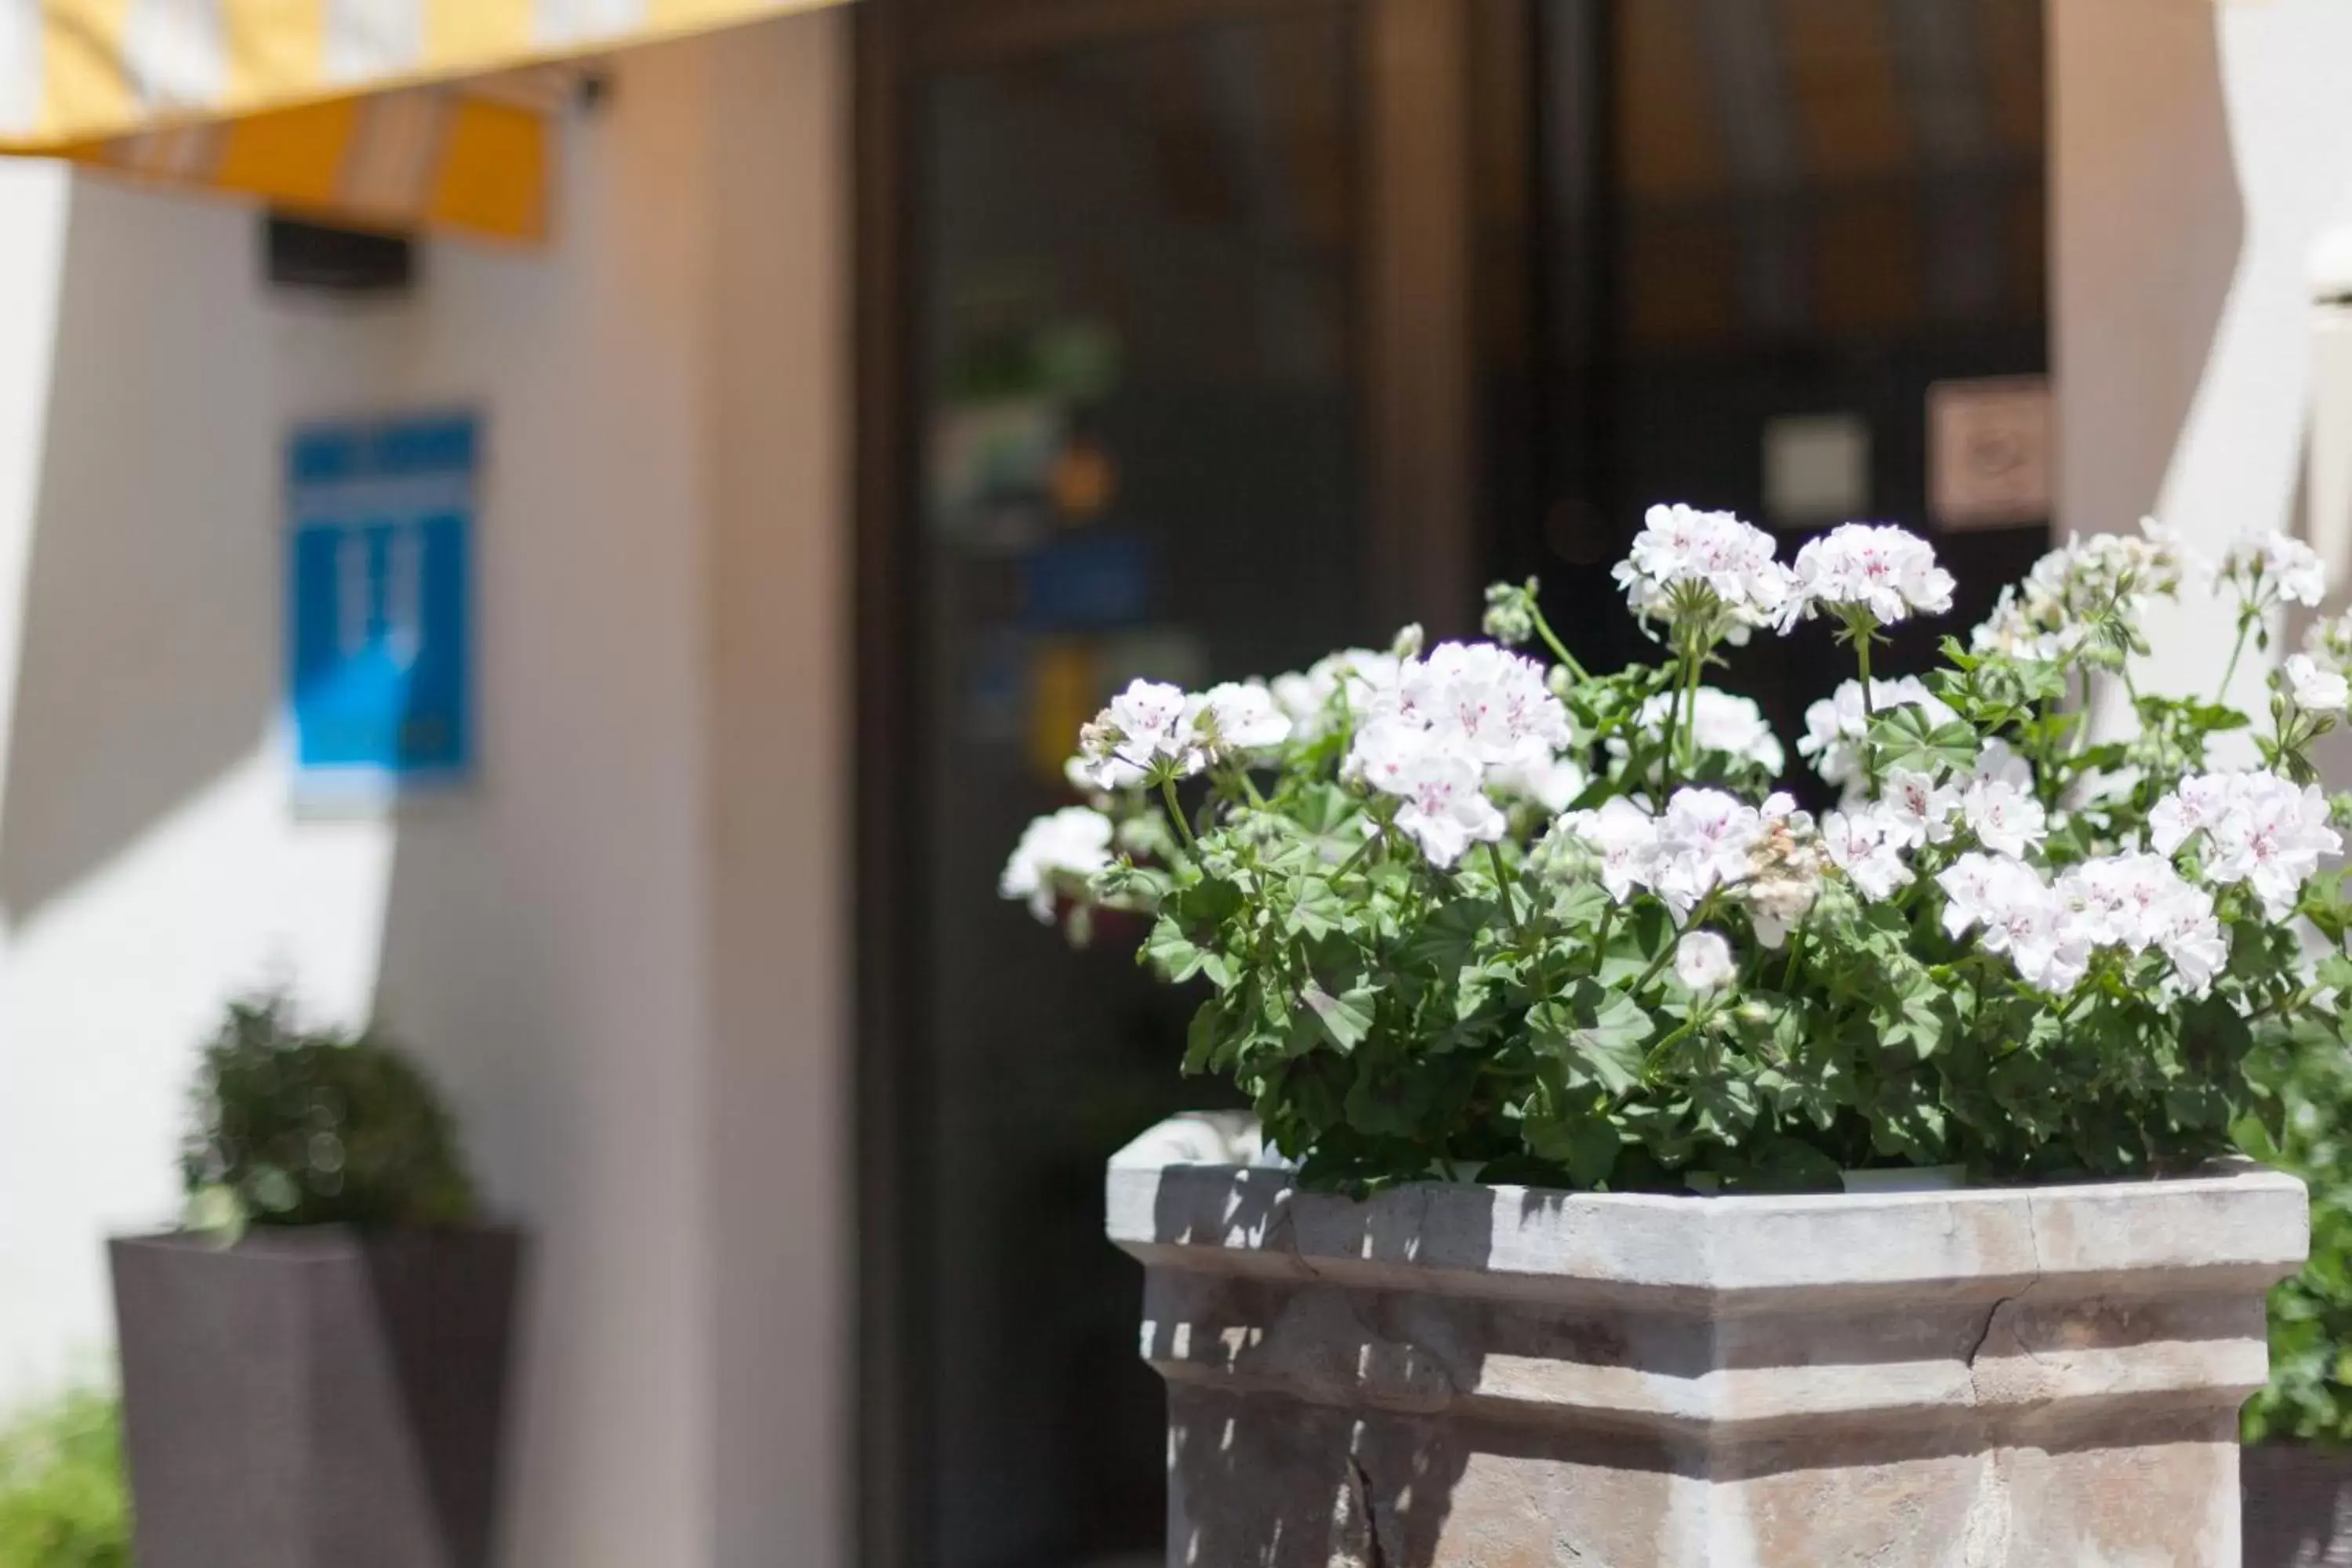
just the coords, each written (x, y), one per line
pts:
(1175, 956)
(1452, 935)
(1585, 1144)
(1906, 737)
(1204, 1041)
(1344, 1019)
(1595, 1034)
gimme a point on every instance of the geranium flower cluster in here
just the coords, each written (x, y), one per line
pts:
(1154, 732)
(1469, 905)
(2053, 614)
(1468, 715)
(1705, 573)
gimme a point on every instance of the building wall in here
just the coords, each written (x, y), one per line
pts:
(2199, 151)
(620, 950)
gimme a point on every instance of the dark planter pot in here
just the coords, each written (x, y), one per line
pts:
(2298, 1506)
(316, 1399)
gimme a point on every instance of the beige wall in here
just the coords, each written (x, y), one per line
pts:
(2197, 151)
(623, 950)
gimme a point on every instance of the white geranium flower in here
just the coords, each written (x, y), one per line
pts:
(1552, 782)
(2259, 828)
(1705, 571)
(1916, 809)
(1703, 960)
(2005, 818)
(1705, 837)
(2191, 940)
(1234, 720)
(2138, 901)
(1486, 702)
(1998, 763)
(2049, 615)
(1624, 837)
(1445, 810)
(1145, 730)
(1056, 853)
(1835, 725)
(2020, 915)
(1093, 778)
(2196, 804)
(2314, 687)
(1720, 722)
(1973, 885)
(1886, 571)
(2330, 641)
(2267, 569)
(1859, 843)
(2117, 898)
(1356, 682)
(1381, 752)
(1784, 870)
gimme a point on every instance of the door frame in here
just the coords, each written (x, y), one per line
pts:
(1417, 388)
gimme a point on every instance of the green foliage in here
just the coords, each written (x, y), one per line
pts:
(63, 1503)
(300, 1127)
(2310, 1395)
(1397, 1011)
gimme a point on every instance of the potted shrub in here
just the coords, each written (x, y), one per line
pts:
(2297, 1466)
(1648, 1171)
(314, 1374)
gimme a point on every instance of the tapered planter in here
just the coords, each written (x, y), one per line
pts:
(316, 1399)
(1460, 1376)
(2298, 1506)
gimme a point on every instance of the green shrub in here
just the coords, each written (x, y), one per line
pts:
(62, 1501)
(298, 1128)
(2310, 1395)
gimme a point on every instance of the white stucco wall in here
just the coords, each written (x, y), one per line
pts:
(2198, 149)
(623, 951)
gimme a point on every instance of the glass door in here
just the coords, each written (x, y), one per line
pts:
(1199, 337)
(1131, 443)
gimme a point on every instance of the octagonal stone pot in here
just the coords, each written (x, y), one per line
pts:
(1466, 1377)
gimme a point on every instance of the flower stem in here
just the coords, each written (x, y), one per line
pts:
(1176, 814)
(1697, 661)
(2245, 625)
(1506, 888)
(1551, 641)
(1861, 629)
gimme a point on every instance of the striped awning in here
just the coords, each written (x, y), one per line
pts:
(389, 113)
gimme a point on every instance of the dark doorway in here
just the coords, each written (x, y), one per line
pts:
(1198, 337)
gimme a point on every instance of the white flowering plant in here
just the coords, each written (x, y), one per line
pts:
(1464, 911)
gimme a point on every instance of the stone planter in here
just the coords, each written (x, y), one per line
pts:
(2298, 1506)
(1492, 1377)
(315, 1398)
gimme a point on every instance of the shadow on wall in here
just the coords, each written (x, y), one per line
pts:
(150, 621)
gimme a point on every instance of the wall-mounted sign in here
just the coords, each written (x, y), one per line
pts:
(379, 603)
(1988, 451)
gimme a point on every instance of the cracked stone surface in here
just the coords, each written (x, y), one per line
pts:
(1462, 1376)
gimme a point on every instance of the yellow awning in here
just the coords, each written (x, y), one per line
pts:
(394, 114)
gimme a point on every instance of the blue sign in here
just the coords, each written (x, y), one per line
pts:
(379, 611)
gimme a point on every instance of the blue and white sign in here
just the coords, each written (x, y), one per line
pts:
(379, 603)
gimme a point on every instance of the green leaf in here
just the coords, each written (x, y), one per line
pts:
(1595, 1034)
(1906, 737)
(1168, 950)
(1585, 1145)
(1344, 1019)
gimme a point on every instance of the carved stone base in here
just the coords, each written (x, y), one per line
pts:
(1491, 1377)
